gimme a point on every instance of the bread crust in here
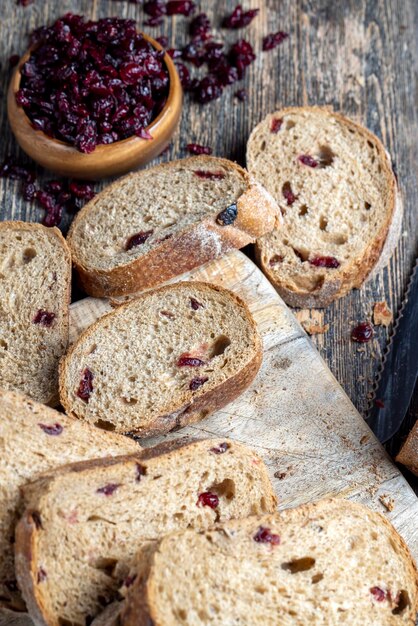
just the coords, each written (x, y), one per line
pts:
(56, 234)
(376, 254)
(408, 454)
(204, 404)
(258, 213)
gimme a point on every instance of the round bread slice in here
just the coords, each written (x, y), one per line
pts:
(83, 527)
(155, 224)
(166, 359)
(35, 276)
(338, 194)
(333, 562)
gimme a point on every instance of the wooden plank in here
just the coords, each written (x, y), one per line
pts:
(295, 414)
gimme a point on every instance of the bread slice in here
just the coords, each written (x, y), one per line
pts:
(35, 274)
(408, 454)
(36, 439)
(164, 360)
(334, 183)
(82, 529)
(158, 223)
(321, 564)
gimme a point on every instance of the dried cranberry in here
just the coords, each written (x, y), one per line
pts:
(264, 535)
(275, 259)
(288, 194)
(29, 191)
(153, 21)
(330, 262)
(42, 575)
(155, 8)
(378, 594)
(24, 3)
(195, 148)
(306, 159)
(174, 53)
(162, 40)
(184, 75)
(195, 304)
(44, 318)
(379, 403)
(208, 499)
(223, 447)
(241, 55)
(208, 89)
(200, 26)
(276, 124)
(138, 239)
(85, 388)
(362, 333)
(197, 382)
(209, 175)
(108, 489)
(187, 360)
(239, 18)
(228, 215)
(84, 191)
(54, 429)
(180, 7)
(241, 95)
(273, 40)
(141, 471)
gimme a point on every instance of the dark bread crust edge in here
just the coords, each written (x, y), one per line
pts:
(258, 213)
(204, 404)
(375, 255)
(54, 233)
(408, 454)
(26, 548)
(140, 607)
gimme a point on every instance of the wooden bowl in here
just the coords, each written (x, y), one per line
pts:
(106, 160)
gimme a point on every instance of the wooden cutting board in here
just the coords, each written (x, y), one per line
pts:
(295, 414)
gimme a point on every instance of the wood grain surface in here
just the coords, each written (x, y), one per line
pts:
(359, 56)
(295, 414)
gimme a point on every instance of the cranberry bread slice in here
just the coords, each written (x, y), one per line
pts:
(36, 439)
(35, 274)
(158, 223)
(79, 535)
(164, 360)
(408, 454)
(333, 562)
(342, 212)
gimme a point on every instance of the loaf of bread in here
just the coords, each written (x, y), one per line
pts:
(408, 454)
(82, 528)
(166, 359)
(36, 439)
(158, 223)
(321, 564)
(35, 274)
(342, 212)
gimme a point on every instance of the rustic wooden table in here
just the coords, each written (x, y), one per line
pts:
(358, 56)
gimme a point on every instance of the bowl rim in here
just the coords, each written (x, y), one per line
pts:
(172, 75)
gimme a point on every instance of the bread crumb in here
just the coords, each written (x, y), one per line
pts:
(364, 439)
(314, 328)
(387, 501)
(382, 315)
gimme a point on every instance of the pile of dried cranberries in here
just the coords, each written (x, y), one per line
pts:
(92, 82)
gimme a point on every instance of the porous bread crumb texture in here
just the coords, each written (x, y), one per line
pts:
(336, 563)
(36, 439)
(133, 355)
(88, 540)
(35, 272)
(408, 454)
(161, 201)
(341, 208)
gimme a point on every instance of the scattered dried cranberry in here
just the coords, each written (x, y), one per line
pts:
(10, 169)
(180, 7)
(85, 387)
(29, 191)
(288, 194)
(138, 239)
(42, 575)
(155, 8)
(228, 215)
(44, 318)
(208, 499)
(362, 333)
(195, 304)
(329, 262)
(241, 95)
(264, 535)
(197, 382)
(141, 471)
(195, 148)
(80, 190)
(153, 21)
(223, 447)
(273, 40)
(186, 360)
(209, 175)
(184, 75)
(239, 18)
(275, 259)
(162, 40)
(241, 56)
(54, 430)
(109, 489)
(308, 160)
(208, 89)
(379, 403)
(24, 3)
(378, 594)
(200, 26)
